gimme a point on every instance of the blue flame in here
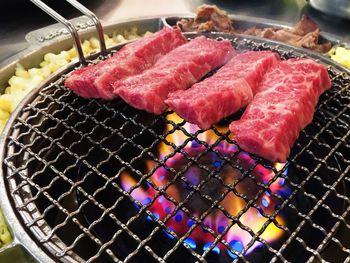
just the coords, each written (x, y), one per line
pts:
(189, 241)
(190, 223)
(156, 215)
(264, 202)
(217, 164)
(215, 249)
(221, 229)
(168, 234)
(146, 201)
(236, 246)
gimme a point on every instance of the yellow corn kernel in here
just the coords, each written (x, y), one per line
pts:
(109, 42)
(86, 50)
(86, 43)
(342, 51)
(7, 90)
(50, 57)
(18, 82)
(64, 55)
(118, 39)
(331, 51)
(106, 37)
(35, 72)
(36, 80)
(131, 33)
(4, 115)
(45, 72)
(95, 44)
(44, 64)
(53, 67)
(21, 72)
(147, 33)
(2, 126)
(86, 47)
(5, 235)
(14, 90)
(61, 62)
(72, 53)
(6, 102)
(341, 55)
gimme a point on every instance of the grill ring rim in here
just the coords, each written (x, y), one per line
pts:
(23, 236)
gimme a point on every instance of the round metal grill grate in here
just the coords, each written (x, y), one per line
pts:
(64, 160)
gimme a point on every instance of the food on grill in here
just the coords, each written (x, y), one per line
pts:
(283, 106)
(177, 70)
(341, 55)
(5, 236)
(210, 18)
(25, 80)
(224, 93)
(94, 81)
(304, 34)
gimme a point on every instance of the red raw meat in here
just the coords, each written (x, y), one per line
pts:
(283, 106)
(94, 81)
(177, 70)
(224, 93)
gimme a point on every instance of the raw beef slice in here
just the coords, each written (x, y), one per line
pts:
(177, 70)
(94, 81)
(224, 93)
(283, 106)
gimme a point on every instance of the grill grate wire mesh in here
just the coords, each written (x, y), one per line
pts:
(65, 156)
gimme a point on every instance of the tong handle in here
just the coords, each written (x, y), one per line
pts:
(95, 20)
(70, 26)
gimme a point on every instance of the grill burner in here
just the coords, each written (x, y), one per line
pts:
(85, 179)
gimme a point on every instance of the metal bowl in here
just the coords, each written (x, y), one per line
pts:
(340, 8)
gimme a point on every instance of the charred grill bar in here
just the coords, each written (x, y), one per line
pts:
(84, 179)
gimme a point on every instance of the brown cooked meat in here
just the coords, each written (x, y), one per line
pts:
(304, 34)
(210, 18)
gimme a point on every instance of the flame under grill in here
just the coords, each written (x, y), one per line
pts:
(86, 176)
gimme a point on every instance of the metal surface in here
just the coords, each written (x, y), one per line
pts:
(17, 22)
(72, 30)
(67, 24)
(339, 8)
(95, 20)
(64, 157)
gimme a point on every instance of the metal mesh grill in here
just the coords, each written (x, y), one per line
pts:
(65, 157)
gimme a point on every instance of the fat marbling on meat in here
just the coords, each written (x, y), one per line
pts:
(94, 81)
(224, 93)
(177, 70)
(283, 106)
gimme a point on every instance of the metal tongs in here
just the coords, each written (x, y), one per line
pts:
(73, 31)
